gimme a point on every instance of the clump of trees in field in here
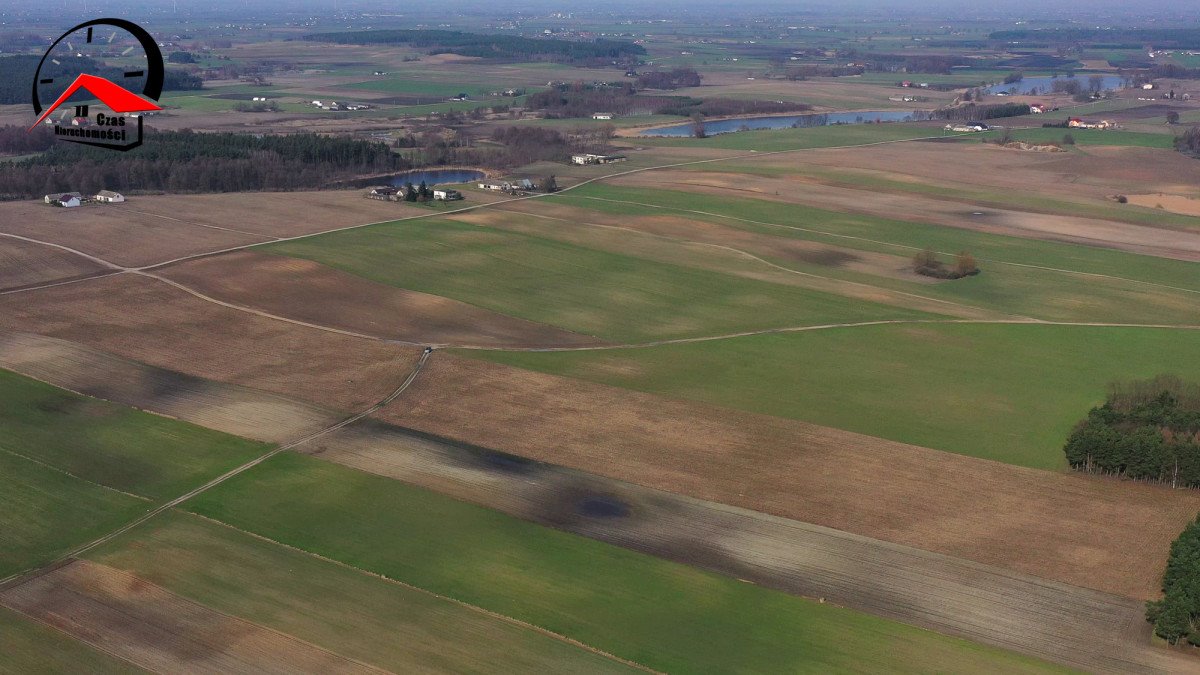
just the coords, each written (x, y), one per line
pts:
(669, 79)
(1177, 615)
(1189, 142)
(1146, 430)
(927, 263)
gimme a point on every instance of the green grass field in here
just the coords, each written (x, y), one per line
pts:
(348, 612)
(1023, 201)
(766, 140)
(613, 296)
(75, 468)
(1009, 393)
(664, 615)
(27, 647)
(1017, 288)
(1085, 137)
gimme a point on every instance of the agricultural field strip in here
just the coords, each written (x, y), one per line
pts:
(987, 604)
(868, 240)
(68, 473)
(86, 595)
(751, 256)
(637, 345)
(18, 578)
(188, 222)
(433, 594)
(473, 207)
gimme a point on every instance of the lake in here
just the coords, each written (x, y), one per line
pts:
(1045, 84)
(788, 121)
(435, 177)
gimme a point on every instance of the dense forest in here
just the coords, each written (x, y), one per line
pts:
(581, 100)
(669, 79)
(1148, 430)
(1176, 616)
(973, 111)
(16, 75)
(492, 46)
(183, 161)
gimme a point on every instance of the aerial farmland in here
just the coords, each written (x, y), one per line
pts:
(627, 339)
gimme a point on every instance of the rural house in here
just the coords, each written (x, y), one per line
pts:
(596, 159)
(109, 197)
(602, 116)
(68, 199)
(446, 194)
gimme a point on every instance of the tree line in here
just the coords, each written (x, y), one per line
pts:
(16, 74)
(581, 100)
(1146, 430)
(491, 46)
(185, 161)
(1177, 615)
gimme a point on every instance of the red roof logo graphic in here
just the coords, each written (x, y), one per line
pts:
(117, 98)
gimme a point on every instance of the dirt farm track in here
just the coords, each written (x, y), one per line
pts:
(197, 325)
(1089, 629)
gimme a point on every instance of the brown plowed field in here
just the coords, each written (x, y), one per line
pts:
(235, 410)
(1111, 234)
(1092, 172)
(149, 321)
(1106, 535)
(162, 632)
(24, 264)
(117, 233)
(1067, 624)
(276, 214)
(311, 292)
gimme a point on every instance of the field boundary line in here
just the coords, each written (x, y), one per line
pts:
(20, 577)
(194, 603)
(764, 261)
(268, 315)
(268, 237)
(474, 207)
(868, 240)
(57, 629)
(434, 594)
(56, 469)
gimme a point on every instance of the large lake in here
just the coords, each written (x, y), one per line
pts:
(789, 121)
(1044, 84)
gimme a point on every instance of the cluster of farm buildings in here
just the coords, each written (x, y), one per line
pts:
(73, 199)
(405, 193)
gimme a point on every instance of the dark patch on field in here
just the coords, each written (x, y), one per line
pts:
(825, 257)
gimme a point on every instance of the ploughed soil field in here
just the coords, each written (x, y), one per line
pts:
(151, 229)
(146, 625)
(241, 411)
(147, 320)
(24, 264)
(1093, 173)
(1021, 519)
(311, 292)
(932, 209)
(1062, 623)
